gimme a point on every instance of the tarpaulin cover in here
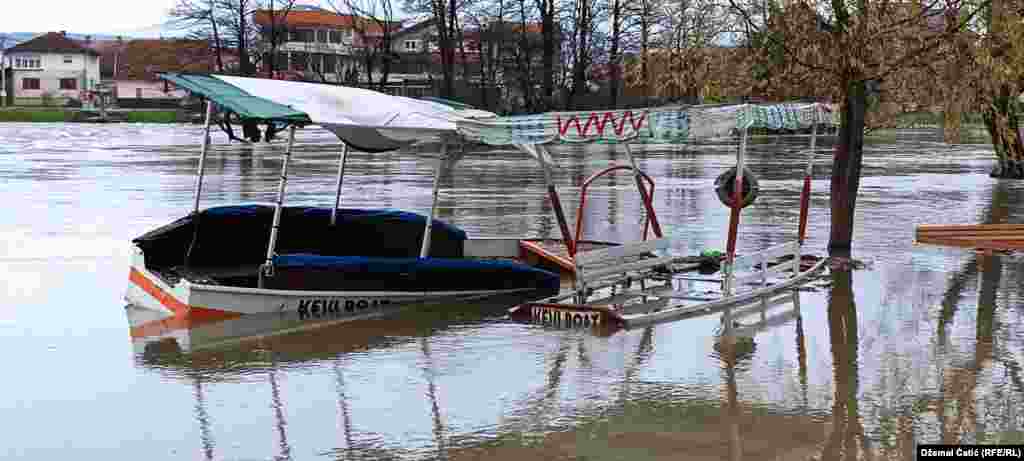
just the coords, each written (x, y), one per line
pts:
(232, 235)
(317, 272)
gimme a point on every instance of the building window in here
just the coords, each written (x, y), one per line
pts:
(335, 36)
(68, 84)
(30, 83)
(412, 45)
(300, 35)
(69, 59)
(28, 62)
(321, 36)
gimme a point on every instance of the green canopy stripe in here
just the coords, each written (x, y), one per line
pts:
(230, 97)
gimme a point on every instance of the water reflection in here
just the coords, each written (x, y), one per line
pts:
(930, 351)
(847, 440)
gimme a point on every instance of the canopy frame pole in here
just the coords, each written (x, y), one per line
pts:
(556, 202)
(441, 160)
(267, 270)
(805, 194)
(341, 175)
(734, 216)
(646, 196)
(202, 155)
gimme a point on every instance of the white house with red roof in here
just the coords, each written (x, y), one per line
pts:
(51, 69)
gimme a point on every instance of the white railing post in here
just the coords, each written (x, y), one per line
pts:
(341, 175)
(268, 265)
(441, 159)
(202, 155)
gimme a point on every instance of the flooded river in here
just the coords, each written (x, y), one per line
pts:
(922, 344)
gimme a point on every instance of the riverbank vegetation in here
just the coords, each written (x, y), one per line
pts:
(58, 115)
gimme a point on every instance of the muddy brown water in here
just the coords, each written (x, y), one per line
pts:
(923, 344)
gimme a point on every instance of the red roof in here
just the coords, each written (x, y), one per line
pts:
(302, 18)
(51, 42)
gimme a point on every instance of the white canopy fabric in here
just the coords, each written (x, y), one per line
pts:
(365, 119)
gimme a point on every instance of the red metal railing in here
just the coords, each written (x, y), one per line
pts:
(647, 196)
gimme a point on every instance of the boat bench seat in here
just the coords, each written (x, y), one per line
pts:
(619, 262)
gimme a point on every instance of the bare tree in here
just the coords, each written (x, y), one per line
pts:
(200, 18)
(374, 24)
(579, 48)
(846, 50)
(492, 35)
(524, 54)
(238, 30)
(276, 32)
(617, 10)
(549, 36)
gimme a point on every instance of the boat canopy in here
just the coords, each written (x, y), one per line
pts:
(669, 124)
(366, 120)
(376, 122)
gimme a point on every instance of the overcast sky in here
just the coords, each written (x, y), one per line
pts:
(114, 17)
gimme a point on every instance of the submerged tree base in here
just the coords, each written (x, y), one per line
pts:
(1008, 169)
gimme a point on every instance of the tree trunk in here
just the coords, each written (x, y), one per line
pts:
(952, 120)
(216, 44)
(613, 54)
(846, 166)
(548, 32)
(1003, 126)
(244, 66)
(644, 64)
(842, 331)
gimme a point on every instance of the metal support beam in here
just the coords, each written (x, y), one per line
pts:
(202, 155)
(734, 216)
(645, 195)
(556, 202)
(341, 175)
(268, 266)
(805, 194)
(441, 160)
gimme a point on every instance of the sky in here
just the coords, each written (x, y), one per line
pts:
(113, 17)
(88, 17)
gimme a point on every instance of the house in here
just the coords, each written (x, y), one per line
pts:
(316, 42)
(130, 67)
(51, 69)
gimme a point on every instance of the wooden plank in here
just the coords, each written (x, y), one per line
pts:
(982, 234)
(975, 243)
(632, 249)
(970, 227)
(591, 275)
(545, 254)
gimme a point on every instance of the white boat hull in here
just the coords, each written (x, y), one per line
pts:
(148, 290)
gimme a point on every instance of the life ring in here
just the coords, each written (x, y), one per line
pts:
(726, 181)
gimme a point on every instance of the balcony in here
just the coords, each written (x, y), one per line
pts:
(316, 47)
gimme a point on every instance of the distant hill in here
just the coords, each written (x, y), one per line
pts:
(154, 31)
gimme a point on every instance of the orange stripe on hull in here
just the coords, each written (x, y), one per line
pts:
(184, 315)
